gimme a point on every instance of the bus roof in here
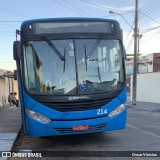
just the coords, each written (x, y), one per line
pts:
(68, 19)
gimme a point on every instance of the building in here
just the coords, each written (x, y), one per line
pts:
(7, 85)
(145, 64)
(2, 91)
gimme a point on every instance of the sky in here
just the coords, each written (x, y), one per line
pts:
(13, 13)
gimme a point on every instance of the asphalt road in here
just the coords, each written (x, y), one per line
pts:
(142, 133)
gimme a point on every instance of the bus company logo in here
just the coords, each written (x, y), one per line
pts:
(78, 98)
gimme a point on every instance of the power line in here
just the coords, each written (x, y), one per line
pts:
(141, 15)
(129, 33)
(97, 5)
(105, 7)
(152, 8)
(149, 5)
(150, 29)
(68, 7)
(149, 9)
(125, 2)
(129, 44)
(79, 9)
(15, 12)
(117, 4)
(151, 18)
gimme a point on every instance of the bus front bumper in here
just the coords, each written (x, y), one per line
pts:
(56, 128)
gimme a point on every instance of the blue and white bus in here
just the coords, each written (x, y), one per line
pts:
(71, 76)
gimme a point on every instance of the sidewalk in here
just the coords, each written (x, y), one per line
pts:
(145, 106)
(10, 124)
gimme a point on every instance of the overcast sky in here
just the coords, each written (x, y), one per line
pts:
(12, 13)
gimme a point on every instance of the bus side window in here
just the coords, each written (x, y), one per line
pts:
(29, 69)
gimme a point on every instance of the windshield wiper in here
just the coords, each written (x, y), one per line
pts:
(53, 47)
(95, 46)
(64, 65)
(85, 52)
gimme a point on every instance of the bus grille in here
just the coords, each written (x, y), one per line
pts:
(77, 106)
(93, 128)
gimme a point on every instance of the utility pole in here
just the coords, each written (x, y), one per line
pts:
(138, 60)
(134, 88)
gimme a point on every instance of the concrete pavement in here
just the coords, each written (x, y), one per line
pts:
(10, 124)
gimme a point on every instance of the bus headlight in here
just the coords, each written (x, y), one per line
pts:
(117, 111)
(37, 116)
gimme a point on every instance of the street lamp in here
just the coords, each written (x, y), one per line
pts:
(112, 12)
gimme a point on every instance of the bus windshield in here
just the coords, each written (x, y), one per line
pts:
(87, 66)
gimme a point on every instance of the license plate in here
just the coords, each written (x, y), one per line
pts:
(80, 128)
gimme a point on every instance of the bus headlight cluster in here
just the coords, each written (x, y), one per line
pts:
(37, 116)
(117, 111)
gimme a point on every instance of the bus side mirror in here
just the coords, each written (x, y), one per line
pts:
(16, 50)
(15, 75)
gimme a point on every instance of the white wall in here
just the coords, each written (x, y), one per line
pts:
(2, 91)
(15, 88)
(148, 87)
(7, 85)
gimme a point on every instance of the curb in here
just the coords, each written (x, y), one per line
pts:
(17, 136)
